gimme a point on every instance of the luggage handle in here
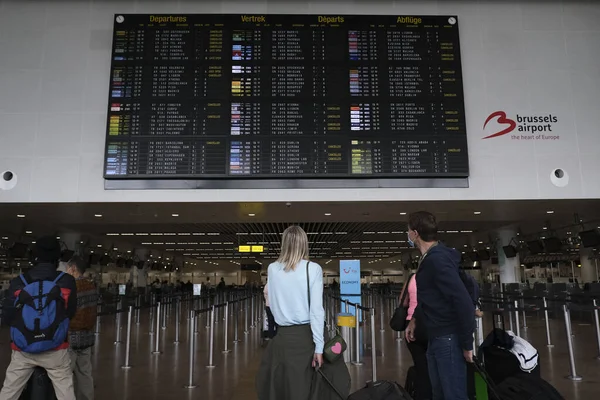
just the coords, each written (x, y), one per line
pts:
(499, 313)
(484, 375)
(330, 384)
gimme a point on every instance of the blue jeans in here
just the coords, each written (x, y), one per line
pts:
(447, 368)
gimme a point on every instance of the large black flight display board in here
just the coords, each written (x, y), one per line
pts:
(244, 97)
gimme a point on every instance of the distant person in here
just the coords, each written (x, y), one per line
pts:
(41, 346)
(82, 335)
(286, 371)
(418, 347)
(221, 285)
(335, 285)
(446, 309)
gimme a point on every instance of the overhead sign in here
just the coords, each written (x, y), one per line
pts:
(251, 249)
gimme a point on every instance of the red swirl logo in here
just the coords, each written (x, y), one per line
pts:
(502, 119)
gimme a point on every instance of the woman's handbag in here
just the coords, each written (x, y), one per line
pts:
(334, 348)
(398, 321)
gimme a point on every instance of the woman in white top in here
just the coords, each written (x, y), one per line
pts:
(286, 368)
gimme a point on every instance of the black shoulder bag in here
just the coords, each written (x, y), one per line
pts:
(334, 347)
(398, 321)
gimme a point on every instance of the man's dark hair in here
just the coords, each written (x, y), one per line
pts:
(78, 263)
(425, 224)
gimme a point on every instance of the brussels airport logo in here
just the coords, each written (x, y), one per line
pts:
(537, 127)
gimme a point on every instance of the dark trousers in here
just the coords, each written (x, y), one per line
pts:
(418, 351)
(447, 368)
(272, 324)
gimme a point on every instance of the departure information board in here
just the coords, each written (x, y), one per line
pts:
(285, 96)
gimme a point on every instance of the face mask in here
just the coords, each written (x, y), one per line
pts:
(410, 242)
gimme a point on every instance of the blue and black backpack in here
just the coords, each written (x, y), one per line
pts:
(471, 285)
(41, 324)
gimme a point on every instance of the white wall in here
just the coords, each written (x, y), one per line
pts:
(538, 57)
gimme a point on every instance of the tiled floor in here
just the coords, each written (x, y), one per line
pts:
(163, 376)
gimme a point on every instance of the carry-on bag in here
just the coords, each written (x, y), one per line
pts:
(39, 386)
(518, 387)
(527, 387)
(381, 390)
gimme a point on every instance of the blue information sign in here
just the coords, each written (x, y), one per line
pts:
(350, 283)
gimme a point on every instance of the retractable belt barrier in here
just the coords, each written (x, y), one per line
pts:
(333, 300)
(233, 303)
(568, 303)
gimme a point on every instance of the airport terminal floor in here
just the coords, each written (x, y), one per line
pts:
(165, 375)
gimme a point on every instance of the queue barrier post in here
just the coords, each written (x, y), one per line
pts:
(211, 343)
(373, 347)
(190, 384)
(548, 339)
(156, 347)
(357, 336)
(128, 339)
(573, 376)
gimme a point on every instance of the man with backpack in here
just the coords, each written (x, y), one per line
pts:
(38, 308)
(445, 307)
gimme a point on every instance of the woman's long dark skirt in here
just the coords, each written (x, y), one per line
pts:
(285, 370)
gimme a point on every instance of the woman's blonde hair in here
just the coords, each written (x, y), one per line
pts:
(294, 247)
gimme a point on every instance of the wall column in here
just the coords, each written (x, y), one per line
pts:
(588, 267)
(139, 277)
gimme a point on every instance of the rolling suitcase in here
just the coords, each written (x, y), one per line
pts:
(527, 387)
(381, 390)
(39, 386)
(518, 387)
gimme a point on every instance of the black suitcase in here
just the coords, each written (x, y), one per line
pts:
(39, 386)
(519, 387)
(527, 387)
(381, 390)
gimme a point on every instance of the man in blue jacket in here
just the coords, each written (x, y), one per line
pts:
(445, 307)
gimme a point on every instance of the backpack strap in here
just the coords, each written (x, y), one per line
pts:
(58, 277)
(23, 279)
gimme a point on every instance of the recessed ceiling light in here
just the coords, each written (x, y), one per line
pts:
(549, 212)
(174, 215)
(402, 213)
(20, 215)
(28, 232)
(251, 215)
(98, 215)
(327, 214)
(545, 228)
(477, 212)
(99, 245)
